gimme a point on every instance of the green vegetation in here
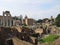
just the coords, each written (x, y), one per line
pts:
(49, 39)
(24, 25)
(39, 21)
(16, 18)
(35, 35)
(57, 20)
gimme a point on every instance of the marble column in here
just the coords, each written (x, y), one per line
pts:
(14, 23)
(7, 23)
(1, 22)
(10, 23)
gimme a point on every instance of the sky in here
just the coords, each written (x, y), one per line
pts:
(36, 9)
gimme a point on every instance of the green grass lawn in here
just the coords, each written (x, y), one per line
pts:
(49, 39)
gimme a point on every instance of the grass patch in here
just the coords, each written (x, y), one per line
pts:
(49, 39)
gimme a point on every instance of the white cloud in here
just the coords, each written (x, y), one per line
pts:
(30, 7)
(54, 11)
(28, 1)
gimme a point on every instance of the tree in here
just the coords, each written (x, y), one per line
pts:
(45, 19)
(57, 20)
(16, 18)
(39, 21)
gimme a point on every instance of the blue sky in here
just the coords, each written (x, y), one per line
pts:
(36, 9)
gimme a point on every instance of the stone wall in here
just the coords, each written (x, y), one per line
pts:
(7, 33)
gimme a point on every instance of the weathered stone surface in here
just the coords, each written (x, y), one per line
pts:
(7, 33)
(20, 42)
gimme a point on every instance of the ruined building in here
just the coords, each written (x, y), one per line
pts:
(6, 19)
(29, 21)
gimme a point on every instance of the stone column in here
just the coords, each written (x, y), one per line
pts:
(14, 24)
(7, 23)
(1, 22)
(10, 23)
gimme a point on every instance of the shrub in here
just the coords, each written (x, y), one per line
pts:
(49, 39)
